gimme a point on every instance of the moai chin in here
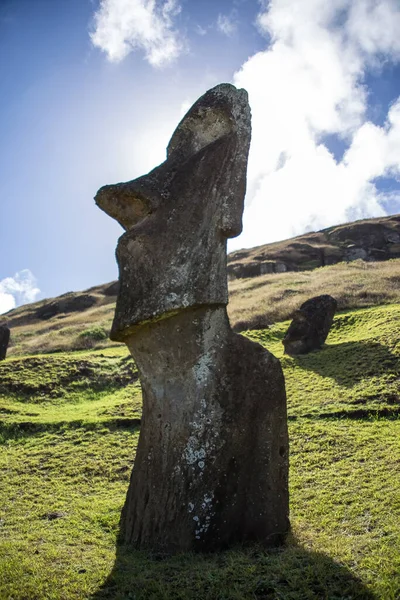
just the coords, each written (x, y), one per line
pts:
(211, 467)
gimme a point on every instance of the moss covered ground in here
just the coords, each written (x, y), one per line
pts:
(69, 426)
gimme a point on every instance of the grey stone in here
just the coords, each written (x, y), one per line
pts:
(211, 467)
(251, 268)
(265, 268)
(354, 253)
(392, 237)
(170, 251)
(280, 267)
(310, 326)
(4, 341)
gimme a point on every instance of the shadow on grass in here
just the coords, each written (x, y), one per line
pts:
(350, 362)
(291, 573)
(19, 430)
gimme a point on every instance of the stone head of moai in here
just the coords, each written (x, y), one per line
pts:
(178, 217)
(211, 467)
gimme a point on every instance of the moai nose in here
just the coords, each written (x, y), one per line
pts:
(128, 203)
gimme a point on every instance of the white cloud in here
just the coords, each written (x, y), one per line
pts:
(122, 26)
(227, 24)
(17, 290)
(200, 30)
(7, 302)
(374, 25)
(308, 84)
(185, 107)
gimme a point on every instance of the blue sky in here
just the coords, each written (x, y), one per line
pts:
(91, 92)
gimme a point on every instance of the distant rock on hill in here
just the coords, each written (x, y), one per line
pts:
(370, 240)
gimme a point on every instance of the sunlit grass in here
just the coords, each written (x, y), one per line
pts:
(69, 430)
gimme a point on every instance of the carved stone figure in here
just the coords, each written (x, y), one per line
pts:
(310, 326)
(211, 467)
(4, 341)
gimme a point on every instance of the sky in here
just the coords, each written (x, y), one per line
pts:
(91, 91)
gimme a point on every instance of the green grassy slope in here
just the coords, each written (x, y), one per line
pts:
(68, 433)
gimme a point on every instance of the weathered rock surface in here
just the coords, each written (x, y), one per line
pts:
(179, 216)
(4, 341)
(211, 467)
(310, 326)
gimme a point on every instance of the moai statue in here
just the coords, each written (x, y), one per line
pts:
(211, 468)
(4, 341)
(310, 326)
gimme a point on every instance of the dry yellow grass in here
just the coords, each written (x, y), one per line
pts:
(257, 302)
(63, 332)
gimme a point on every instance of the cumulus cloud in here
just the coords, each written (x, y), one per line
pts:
(122, 26)
(17, 290)
(308, 84)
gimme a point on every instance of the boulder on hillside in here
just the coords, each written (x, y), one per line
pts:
(4, 340)
(310, 326)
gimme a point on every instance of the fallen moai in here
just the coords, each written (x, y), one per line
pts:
(310, 326)
(4, 341)
(211, 467)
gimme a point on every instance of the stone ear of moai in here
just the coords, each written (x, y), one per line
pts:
(211, 467)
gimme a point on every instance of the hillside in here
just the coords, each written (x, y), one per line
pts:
(69, 426)
(82, 320)
(369, 240)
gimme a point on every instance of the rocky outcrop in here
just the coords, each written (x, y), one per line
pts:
(310, 326)
(369, 240)
(4, 341)
(67, 303)
(211, 467)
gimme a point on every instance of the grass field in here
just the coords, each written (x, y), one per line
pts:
(69, 428)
